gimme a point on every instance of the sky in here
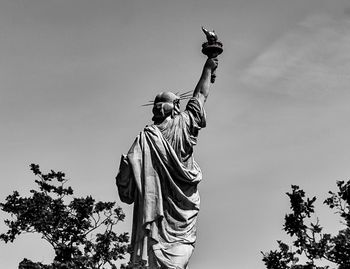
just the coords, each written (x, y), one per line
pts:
(74, 74)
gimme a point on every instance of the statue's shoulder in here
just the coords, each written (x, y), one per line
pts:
(150, 131)
(149, 128)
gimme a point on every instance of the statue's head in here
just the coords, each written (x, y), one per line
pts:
(165, 104)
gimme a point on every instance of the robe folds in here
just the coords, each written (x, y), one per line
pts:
(159, 175)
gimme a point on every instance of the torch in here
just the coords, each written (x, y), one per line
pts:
(212, 48)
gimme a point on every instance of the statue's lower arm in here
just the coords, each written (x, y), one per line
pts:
(202, 88)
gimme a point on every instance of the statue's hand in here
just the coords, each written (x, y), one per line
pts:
(211, 64)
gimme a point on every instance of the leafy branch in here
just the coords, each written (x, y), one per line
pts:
(80, 230)
(308, 238)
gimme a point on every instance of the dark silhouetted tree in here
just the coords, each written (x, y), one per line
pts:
(80, 230)
(309, 243)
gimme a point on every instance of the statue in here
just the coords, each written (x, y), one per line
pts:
(160, 176)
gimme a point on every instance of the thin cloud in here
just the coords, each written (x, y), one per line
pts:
(311, 58)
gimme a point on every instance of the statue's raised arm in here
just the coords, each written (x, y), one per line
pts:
(201, 90)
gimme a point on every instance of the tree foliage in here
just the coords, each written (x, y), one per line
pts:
(80, 230)
(309, 243)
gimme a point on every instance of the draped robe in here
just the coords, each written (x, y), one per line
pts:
(159, 175)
